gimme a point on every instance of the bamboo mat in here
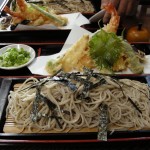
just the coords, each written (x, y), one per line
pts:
(11, 127)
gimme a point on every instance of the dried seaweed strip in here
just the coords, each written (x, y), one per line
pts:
(35, 116)
(34, 113)
(67, 83)
(103, 122)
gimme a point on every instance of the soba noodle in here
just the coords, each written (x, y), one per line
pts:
(75, 113)
(70, 6)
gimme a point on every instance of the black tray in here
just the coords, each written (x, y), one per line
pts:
(92, 27)
(55, 35)
(34, 36)
(43, 49)
(7, 85)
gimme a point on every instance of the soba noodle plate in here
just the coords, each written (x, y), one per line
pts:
(70, 102)
(68, 6)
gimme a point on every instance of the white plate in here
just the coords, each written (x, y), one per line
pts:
(18, 46)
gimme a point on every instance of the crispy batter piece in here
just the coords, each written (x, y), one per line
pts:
(76, 57)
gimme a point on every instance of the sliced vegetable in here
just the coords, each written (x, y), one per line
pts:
(13, 57)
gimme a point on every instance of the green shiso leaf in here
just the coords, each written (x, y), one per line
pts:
(105, 49)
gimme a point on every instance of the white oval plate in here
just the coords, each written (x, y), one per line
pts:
(18, 46)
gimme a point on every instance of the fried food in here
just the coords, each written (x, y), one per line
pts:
(74, 59)
(73, 55)
(34, 14)
(113, 24)
(104, 51)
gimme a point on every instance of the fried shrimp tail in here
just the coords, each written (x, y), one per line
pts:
(113, 24)
(22, 5)
(12, 13)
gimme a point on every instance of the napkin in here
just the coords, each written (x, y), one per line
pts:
(73, 19)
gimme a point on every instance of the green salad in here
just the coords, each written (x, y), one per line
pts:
(14, 57)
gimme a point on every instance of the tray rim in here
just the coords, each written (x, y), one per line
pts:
(4, 138)
(12, 137)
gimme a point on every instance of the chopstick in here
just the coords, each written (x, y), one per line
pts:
(4, 3)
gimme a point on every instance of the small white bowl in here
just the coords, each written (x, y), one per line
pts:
(18, 46)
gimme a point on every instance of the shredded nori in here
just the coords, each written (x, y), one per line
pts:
(70, 80)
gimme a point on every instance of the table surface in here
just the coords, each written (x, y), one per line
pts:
(134, 145)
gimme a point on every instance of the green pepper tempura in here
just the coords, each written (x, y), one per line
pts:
(14, 57)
